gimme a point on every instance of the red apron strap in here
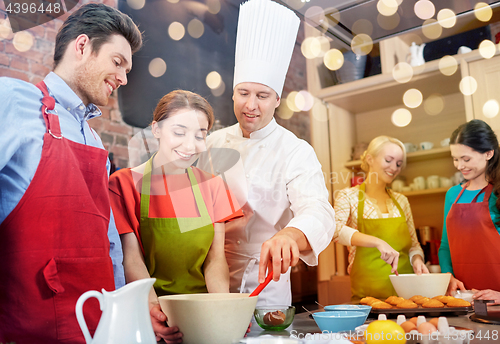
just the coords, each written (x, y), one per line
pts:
(51, 120)
(487, 192)
(461, 192)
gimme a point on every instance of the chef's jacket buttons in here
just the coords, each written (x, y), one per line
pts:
(81, 107)
(262, 146)
(238, 242)
(248, 176)
(68, 108)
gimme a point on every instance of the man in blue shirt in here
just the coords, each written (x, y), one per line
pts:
(54, 205)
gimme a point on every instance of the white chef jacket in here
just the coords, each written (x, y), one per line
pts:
(280, 181)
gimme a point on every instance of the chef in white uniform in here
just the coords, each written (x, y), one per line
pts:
(274, 174)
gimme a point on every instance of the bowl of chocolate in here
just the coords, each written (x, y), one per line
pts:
(275, 318)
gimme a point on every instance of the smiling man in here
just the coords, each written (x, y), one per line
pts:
(57, 234)
(287, 213)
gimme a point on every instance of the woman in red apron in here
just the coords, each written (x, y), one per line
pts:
(170, 215)
(469, 246)
(376, 223)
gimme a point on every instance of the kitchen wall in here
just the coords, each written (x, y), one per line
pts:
(33, 64)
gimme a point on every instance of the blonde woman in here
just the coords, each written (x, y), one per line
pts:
(376, 223)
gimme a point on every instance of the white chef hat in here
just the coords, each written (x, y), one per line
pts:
(264, 43)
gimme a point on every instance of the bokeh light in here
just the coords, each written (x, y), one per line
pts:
(424, 9)
(23, 41)
(362, 44)
(431, 29)
(483, 11)
(196, 28)
(157, 67)
(412, 98)
(295, 4)
(487, 49)
(401, 117)
(219, 91)
(304, 100)
(213, 80)
(176, 31)
(213, 6)
(402, 72)
(5, 30)
(315, 15)
(324, 44)
(468, 85)
(388, 23)
(311, 47)
(434, 104)
(387, 7)
(491, 108)
(136, 4)
(447, 18)
(448, 65)
(319, 111)
(362, 26)
(333, 59)
(284, 112)
(290, 101)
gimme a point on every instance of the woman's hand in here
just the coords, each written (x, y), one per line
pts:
(388, 254)
(454, 285)
(171, 335)
(419, 266)
(487, 294)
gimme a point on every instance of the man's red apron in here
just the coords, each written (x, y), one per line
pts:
(474, 242)
(54, 244)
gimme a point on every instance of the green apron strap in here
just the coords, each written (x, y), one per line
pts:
(202, 207)
(146, 188)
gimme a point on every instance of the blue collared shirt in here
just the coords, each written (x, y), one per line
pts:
(21, 138)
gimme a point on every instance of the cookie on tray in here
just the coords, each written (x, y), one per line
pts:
(407, 304)
(368, 300)
(391, 299)
(458, 303)
(422, 300)
(443, 298)
(433, 303)
(381, 305)
(414, 298)
(396, 300)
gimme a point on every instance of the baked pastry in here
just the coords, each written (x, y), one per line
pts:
(433, 303)
(390, 299)
(396, 300)
(416, 297)
(407, 304)
(368, 300)
(422, 300)
(443, 299)
(381, 305)
(458, 303)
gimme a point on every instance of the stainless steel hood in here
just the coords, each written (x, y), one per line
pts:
(341, 17)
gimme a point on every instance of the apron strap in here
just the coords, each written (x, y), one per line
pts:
(361, 203)
(48, 104)
(146, 191)
(487, 192)
(461, 192)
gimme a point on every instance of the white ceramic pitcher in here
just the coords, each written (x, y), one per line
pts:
(125, 315)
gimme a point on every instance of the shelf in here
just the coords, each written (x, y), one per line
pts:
(425, 192)
(435, 153)
(382, 91)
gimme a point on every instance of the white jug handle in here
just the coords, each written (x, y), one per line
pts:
(79, 311)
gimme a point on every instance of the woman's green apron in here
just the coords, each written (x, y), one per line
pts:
(369, 273)
(175, 248)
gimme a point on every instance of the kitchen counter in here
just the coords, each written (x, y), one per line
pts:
(303, 324)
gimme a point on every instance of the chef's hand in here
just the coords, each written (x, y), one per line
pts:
(419, 266)
(487, 294)
(171, 335)
(454, 285)
(388, 254)
(283, 250)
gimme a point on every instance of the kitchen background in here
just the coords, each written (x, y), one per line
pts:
(190, 44)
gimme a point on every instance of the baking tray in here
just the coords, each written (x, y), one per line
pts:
(413, 312)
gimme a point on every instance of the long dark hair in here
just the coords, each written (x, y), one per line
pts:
(479, 136)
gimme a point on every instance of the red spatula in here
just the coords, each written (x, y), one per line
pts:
(261, 286)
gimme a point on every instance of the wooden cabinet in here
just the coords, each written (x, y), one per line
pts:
(356, 112)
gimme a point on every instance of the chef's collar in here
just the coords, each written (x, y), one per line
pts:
(261, 133)
(68, 99)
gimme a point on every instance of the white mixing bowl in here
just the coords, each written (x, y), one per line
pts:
(428, 285)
